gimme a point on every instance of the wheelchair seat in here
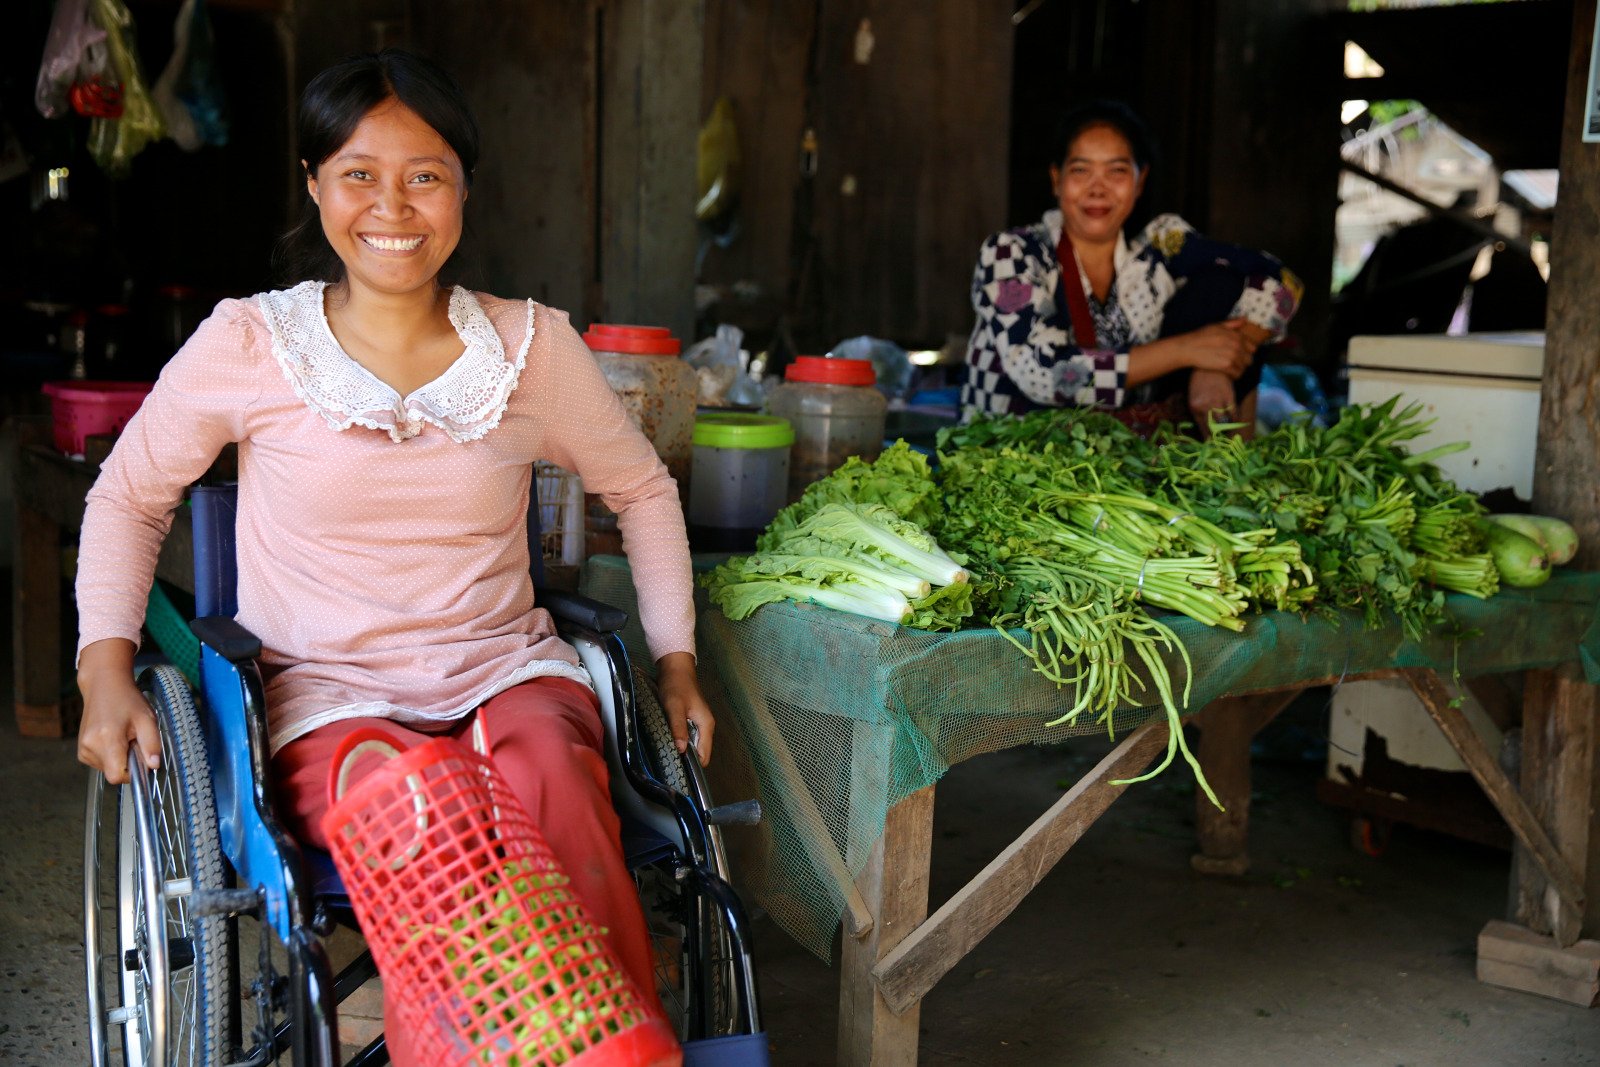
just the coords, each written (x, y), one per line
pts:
(175, 859)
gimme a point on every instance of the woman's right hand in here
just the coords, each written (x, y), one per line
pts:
(1221, 347)
(114, 711)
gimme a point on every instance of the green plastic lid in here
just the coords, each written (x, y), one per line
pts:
(738, 430)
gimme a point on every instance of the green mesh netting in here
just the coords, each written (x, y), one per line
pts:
(830, 718)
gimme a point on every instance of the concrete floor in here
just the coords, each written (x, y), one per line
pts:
(1320, 956)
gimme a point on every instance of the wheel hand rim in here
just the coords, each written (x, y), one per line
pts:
(153, 955)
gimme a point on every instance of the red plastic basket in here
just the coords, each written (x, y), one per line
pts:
(79, 409)
(489, 956)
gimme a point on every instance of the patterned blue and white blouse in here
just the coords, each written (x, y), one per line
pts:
(1022, 354)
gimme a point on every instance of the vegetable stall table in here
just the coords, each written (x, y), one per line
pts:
(843, 725)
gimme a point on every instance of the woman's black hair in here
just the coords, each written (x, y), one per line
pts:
(331, 108)
(1113, 113)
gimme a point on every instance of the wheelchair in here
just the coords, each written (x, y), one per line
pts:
(178, 862)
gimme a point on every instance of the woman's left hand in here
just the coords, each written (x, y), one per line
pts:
(684, 703)
(1210, 397)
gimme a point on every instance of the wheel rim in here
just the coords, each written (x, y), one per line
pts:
(155, 938)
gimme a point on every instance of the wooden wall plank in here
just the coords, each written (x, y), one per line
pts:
(756, 54)
(912, 163)
(531, 213)
(651, 54)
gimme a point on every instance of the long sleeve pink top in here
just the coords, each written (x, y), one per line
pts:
(382, 551)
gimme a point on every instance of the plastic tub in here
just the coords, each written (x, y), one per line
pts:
(741, 474)
(836, 412)
(78, 409)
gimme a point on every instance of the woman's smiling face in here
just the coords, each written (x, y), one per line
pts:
(1097, 184)
(391, 201)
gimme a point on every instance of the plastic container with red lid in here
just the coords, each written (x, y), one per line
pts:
(836, 411)
(658, 390)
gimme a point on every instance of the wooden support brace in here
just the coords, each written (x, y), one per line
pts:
(905, 974)
(830, 868)
(1431, 691)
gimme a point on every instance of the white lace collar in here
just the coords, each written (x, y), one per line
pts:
(466, 401)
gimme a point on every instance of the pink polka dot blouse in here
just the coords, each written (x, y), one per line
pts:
(381, 539)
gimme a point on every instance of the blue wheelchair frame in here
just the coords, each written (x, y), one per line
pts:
(296, 892)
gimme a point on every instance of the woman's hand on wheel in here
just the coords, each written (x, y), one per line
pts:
(684, 703)
(114, 711)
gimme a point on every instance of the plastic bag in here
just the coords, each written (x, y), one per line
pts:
(718, 362)
(187, 92)
(68, 57)
(891, 363)
(114, 142)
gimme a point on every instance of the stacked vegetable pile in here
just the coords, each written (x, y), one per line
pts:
(1068, 528)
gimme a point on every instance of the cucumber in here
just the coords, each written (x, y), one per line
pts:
(1521, 560)
(1559, 539)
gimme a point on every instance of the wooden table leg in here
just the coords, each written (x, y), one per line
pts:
(895, 886)
(1561, 782)
(1227, 726)
(36, 626)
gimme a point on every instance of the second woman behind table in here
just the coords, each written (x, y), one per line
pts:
(387, 426)
(1159, 328)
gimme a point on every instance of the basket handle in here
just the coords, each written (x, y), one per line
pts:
(358, 743)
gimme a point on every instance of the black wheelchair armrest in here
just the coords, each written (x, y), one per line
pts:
(579, 610)
(229, 640)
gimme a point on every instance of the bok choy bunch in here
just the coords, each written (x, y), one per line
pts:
(860, 558)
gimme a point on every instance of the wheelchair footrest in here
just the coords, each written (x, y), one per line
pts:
(224, 901)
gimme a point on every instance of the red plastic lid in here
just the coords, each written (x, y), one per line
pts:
(634, 340)
(831, 371)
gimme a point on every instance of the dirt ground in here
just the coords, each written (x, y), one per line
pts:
(1319, 956)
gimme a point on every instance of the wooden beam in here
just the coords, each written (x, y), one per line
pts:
(895, 885)
(905, 974)
(1475, 754)
(1227, 726)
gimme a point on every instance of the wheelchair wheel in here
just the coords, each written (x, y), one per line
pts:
(159, 979)
(695, 977)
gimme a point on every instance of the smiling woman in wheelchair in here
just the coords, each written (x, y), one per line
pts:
(387, 427)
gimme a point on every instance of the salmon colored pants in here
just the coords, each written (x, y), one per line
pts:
(546, 739)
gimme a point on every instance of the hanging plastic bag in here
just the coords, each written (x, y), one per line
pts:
(67, 59)
(114, 142)
(187, 92)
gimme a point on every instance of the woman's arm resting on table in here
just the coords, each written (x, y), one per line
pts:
(684, 703)
(114, 711)
(1223, 348)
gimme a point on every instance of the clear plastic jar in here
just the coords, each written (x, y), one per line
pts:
(836, 413)
(741, 473)
(658, 391)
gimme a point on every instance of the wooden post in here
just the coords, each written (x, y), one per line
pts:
(1227, 726)
(895, 885)
(1561, 760)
